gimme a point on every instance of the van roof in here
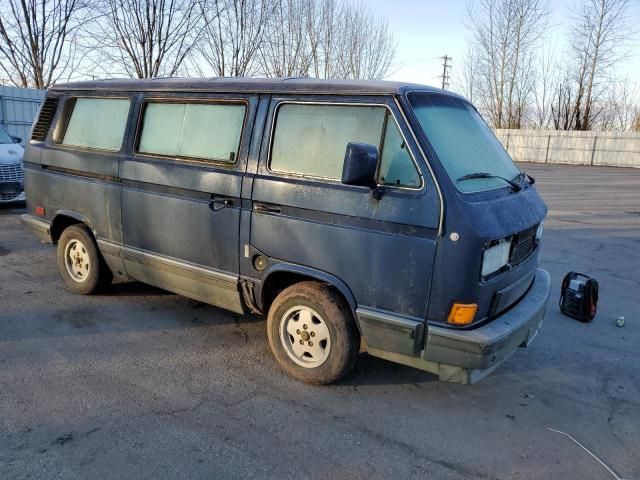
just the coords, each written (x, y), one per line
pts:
(250, 85)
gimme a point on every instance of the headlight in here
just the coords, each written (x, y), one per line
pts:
(539, 231)
(496, 257)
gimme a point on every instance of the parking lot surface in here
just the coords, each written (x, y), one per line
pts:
(140, 383)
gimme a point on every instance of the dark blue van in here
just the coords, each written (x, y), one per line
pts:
(358, 216)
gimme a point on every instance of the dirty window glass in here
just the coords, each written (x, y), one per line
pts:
(463, 141)
(97, 123)
(194, 130)
(396, 166)
(312, 139)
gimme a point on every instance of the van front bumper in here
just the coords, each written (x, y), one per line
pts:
(473, 354)
(467, 356)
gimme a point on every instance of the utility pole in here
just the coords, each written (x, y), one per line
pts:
(446, 67)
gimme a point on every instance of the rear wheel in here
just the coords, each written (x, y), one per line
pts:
(312, 333)
(79, 261)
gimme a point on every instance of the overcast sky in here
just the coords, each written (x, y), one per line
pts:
(427, 29)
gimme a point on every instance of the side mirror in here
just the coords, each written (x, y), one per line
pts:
(16, 139)
(360, 167)
(360, 164)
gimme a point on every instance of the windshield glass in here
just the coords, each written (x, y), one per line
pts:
(4, 136)
(463, 142)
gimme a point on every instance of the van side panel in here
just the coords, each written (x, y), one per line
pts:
(361, 257)
(79, 182)
(96, 202)
(168, 210)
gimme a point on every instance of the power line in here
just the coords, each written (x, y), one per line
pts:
(446, 67)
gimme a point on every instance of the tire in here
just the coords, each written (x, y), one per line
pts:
(312, 333)
(81, 265)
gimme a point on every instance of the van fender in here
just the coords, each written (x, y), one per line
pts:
(71, 214)
(325, 277)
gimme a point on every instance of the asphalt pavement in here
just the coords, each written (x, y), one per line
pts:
(144, 384)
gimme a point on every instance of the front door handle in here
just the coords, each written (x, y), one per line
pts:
(219, 203)
(265, 208)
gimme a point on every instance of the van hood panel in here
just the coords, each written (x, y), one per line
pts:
(497, 218)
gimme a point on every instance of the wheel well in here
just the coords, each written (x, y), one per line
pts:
(59, 224)
(278, 281)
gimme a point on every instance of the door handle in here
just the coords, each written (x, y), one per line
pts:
(265, 208)
(219, 203)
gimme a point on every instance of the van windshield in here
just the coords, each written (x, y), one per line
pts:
(5, 137)
(469, 151)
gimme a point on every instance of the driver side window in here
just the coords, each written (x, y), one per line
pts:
(310, 140)
(396, 166)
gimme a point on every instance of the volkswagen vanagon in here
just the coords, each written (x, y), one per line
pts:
(358, 216)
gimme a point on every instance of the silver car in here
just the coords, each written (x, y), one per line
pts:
(11, 170)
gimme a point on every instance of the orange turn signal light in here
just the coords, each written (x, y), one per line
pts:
(462, 313)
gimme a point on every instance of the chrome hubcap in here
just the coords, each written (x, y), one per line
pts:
(76, 259)
(305, 336)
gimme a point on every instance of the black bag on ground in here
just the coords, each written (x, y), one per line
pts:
(579, 296)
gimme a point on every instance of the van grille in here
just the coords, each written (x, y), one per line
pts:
(524, 243)
(41, 128)
(7, 197)
(11, 173)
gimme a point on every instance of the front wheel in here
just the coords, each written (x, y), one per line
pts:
(79, 261)
(312, 333)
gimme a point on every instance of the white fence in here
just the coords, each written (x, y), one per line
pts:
(18, 108)
(576, 148)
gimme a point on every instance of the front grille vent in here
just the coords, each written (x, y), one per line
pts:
(524, 243)
(10, 173)
(41, 128)
(7, 197)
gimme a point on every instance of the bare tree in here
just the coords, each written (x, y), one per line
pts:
(505, 35)
(37, 40)
(546, 89)
(146, 38)
(635, 126)
(326, 39)
(232, 36)
(287, 51)
(321, 25)
(598, 36)
(322, 38)
(468, 77)
(562, 107)
(623, 104)
(366, 46)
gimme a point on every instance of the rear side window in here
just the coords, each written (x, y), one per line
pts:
(97, 123)
(311, 140)
(192, 130)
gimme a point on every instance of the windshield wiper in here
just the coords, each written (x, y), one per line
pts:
(522, 176)
(516, 186)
